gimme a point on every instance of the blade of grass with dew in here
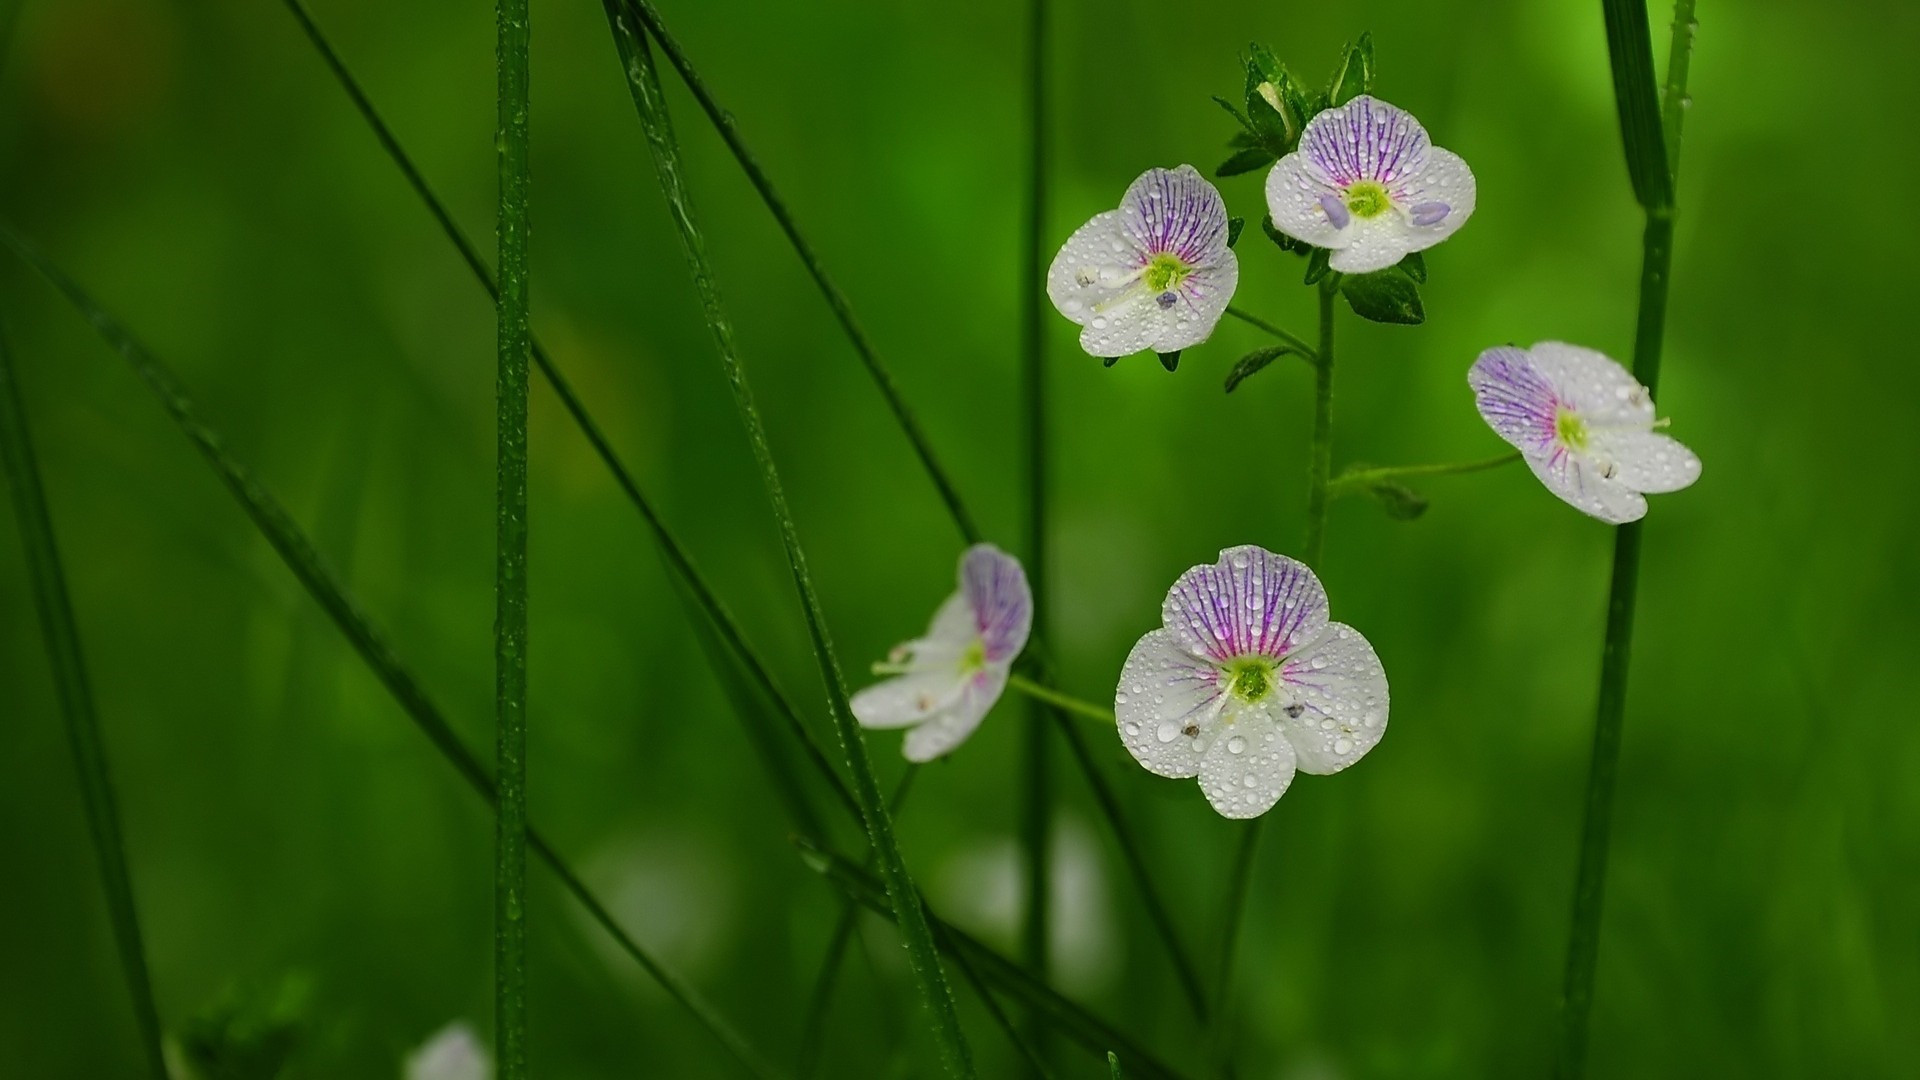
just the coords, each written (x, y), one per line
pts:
(69, 670)
(1029, 1053)
(510, 565)
(1653, 169)
(644, 84)
(1036, 809)
(288, 541)
(723, 122)
(1072, 1020)
(671, 549)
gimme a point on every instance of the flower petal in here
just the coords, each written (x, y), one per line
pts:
(1371, 244)
(946, 730)
(1648, 461)
(452, 1053)
(1164, 692)
(1340, 689)
(1246, 770)
(1438, 197)
(1251, 602)
(905, 700)
(1575, 479)
(1198, 304)
(1296, 194)
(1177, 211)
(998, 599)
(1129, 325)
(1097, 266)
(1365, 139)
(1599, 388)
(1515, 398)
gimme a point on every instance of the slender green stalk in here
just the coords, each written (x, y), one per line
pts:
(1319, 467)
(1030, 1053)
(510, 567)
(1651, 165)
(1302, 344)
(1040, 691)
(1070, 1019)
(675, 554)
(297, 552)
(1355, 481)
(69, 670)
(643, 81)
(836, 300)
(1036, 809)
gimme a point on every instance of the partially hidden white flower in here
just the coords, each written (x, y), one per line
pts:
(1247, 681)
(452, 1053)
(1155, 274)
(944, 682)
(1367, 184)
(1584, 425)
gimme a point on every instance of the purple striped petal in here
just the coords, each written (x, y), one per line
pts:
(996, 589)
(1250, 603)
(1177, 211)
(1515, 398)
(1365, 139)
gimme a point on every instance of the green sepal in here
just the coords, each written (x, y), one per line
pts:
(1317, 267)
(1255, 360)
(1234, 226)
(1277, 120)
(1251, 159)
(1354, 75)
(1401, 503)
(1414, 266)
(1281, 240)
(1251, 133)
(1109, 361)
(1240, 140)
(1384, 296)
(1170, 360)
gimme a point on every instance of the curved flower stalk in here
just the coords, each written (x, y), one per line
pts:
(1584, 425)
(452, 1053)
(1155, 274)
(945, 681)
(1248, 681)
(1368, 184)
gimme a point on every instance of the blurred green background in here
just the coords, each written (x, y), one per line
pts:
(195, 165)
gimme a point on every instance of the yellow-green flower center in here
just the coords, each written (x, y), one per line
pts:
(974, 658)
(1570, 429)
(1368, 199)
(1166, 271)
(1251, 679)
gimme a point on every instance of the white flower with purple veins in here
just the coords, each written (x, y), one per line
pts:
(1155, 274)
(944, 683)
(1367, 184)
(1247, 681)
(452, 1053)
(1584, 425)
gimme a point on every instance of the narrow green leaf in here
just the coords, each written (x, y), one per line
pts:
(1113, 1065)
(297, 552)
(1384, 296)
(1273, 101)
(1251, 134)
(1351, 75)
(644, 84)
(1235, 226)
(1415, 267)
(1317, 265)
(1281, 240)
(1245, 161)
(1255, 361)
(1630, 51)
(62, 635)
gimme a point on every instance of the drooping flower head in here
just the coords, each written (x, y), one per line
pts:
(1247, 681)
(1584, 425)
(1155, 274)
(452, 1053)
(944, 683)
(1367, 184)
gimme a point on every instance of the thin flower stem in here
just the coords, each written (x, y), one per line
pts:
(836, 300)
(1629, 45)
(510, 568)
(297, 552)
(1040, 691)
(675, 554)
(923, 958)
(69, 670)
(1035, 1059)
(1037, 798)
(1319, 465)
(1358, 480)
(1305, 347)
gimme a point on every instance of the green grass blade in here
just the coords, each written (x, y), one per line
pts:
(1627, 32)
(1630, 51)
(675, 554)
(510, 566)
(1062, 1014)
(836, 300)
(644, 84)
(1029, 1052)
(300, 557)
(69, 670)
